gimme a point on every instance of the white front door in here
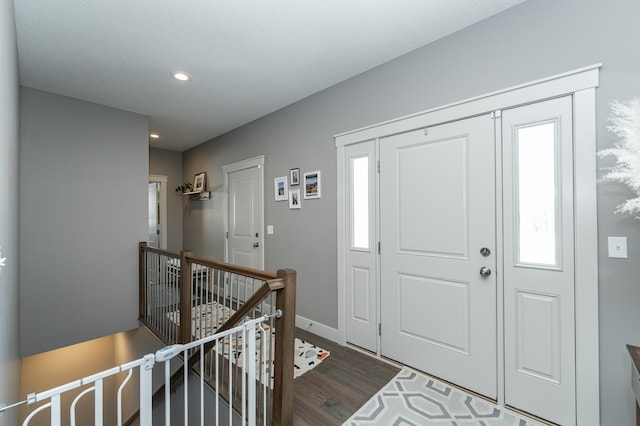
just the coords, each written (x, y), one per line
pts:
(437, 215)
(539, 259)
(244, 181)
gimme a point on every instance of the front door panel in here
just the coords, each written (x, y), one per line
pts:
(437, 198)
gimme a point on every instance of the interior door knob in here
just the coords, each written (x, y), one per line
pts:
(485, 272)
(256, 245)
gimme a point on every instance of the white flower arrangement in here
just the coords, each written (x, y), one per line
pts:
(625, 124)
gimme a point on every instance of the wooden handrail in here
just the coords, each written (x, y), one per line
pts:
(283, 283)
(160, 251)
(236, 269)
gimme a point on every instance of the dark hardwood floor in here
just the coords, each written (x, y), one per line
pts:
(334, 390)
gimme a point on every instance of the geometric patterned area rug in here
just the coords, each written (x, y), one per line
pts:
(411, 398)
(206, 318)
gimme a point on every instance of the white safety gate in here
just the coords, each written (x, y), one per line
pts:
(247, 333)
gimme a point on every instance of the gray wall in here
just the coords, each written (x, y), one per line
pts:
(533, 40)
(9, 148)
(169, 163)
(83, 203)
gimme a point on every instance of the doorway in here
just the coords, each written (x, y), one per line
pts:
(442, 285)
(437, 221)
(157, 217)
(245, 213)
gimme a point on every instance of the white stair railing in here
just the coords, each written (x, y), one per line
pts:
(246, 333)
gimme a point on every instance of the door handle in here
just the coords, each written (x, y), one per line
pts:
(485, 272)
(256, 245)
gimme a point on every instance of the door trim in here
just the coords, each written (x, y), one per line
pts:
(581, 84)
(162, 180)
(234, 167)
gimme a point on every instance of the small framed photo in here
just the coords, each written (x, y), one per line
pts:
(294, 177)
(280, 188)
(294, 199)
(312, 185)
(199, 182)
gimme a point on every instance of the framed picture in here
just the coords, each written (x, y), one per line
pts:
(280, 188)
(199, 181)
(294, 199)
(312, 185)
(294, 177)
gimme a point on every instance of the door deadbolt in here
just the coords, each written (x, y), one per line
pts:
(485, 251)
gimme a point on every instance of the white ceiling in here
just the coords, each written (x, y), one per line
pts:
(247, 58)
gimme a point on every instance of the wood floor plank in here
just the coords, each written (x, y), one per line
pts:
(334, 390)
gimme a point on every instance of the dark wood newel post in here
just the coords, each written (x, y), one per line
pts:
(142, 282)
(185, 297)
(284, 350)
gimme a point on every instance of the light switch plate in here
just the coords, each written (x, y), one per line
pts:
(270, 229)
(618, 247)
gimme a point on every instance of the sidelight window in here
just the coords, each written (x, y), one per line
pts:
(537, 194)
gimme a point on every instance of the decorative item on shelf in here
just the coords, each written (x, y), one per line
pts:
(186, 187)
(200, 180)
(625, 124)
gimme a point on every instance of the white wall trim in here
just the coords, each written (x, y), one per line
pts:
(317, 328)
(581, 84)
(586, 258)
(545, 88)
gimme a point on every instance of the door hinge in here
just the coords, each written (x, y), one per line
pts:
(227, 235)
(379, 247)
(379, 329)
(378, 166)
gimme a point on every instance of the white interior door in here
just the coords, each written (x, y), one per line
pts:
(539, 260)
(437, 215)
(245, 242)
(361, 254)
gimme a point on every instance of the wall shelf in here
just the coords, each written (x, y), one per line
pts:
(198, 196)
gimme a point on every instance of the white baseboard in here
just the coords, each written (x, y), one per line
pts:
(317, 328)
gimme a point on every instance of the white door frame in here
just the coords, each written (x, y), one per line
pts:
(162, 180)
(234, 167)
(581, 84)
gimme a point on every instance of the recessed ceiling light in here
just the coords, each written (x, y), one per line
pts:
(181, 76)
(154, 135)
